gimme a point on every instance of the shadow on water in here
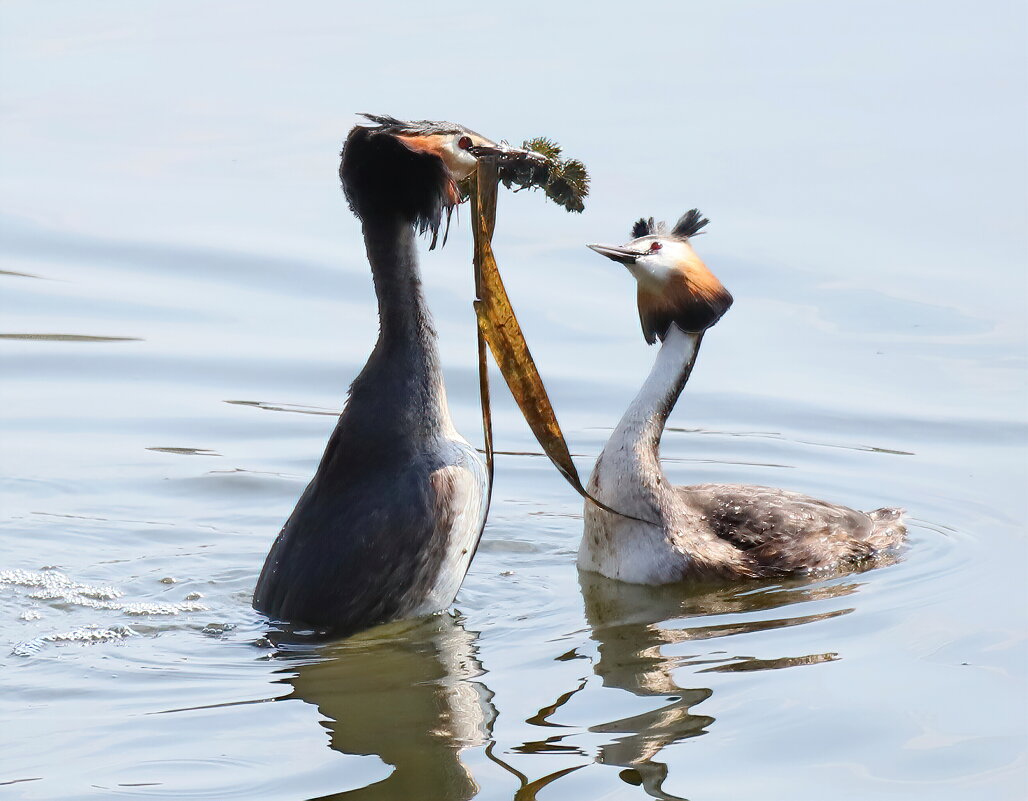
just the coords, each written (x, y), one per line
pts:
(407, 694)
(632, 624)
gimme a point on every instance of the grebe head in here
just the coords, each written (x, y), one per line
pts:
(674, 285)
(412, 168)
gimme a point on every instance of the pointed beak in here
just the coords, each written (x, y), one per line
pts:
(484, 149)
(505, 153)
(623, 255)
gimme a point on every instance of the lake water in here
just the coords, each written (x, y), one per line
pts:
(184, 299)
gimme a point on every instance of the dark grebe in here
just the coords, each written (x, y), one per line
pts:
(387, 527)
(706, 530)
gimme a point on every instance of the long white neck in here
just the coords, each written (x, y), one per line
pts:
(641, 426)
(628, 476)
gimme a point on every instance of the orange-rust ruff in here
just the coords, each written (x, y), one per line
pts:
(728, 531)
(691, 297)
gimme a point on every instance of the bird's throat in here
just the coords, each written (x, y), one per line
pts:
(403, 314)
(643, 423)
(403, 370)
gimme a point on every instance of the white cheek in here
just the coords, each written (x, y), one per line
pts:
(651, 272)
(460, 163)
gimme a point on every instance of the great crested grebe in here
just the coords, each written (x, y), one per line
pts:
(387, 527)
(707, 530)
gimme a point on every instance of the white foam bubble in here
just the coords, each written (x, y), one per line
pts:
(55, 587)
(83, 634)
(162, 609)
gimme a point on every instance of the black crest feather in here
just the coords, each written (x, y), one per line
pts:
(644, 227)
(382, 177)
(689, 224)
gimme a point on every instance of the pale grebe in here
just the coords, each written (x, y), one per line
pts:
(706, 530)
(387, 527)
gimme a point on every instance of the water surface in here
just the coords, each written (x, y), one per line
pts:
(184, 300)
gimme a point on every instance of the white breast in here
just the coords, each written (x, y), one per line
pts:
(619, 547)
(628, 477)
(466, 475)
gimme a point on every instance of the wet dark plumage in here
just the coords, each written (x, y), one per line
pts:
(381, 176)
(387, 525)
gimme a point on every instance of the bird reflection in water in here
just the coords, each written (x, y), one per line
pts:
(408, 694)
(411, 694)
(633, 623)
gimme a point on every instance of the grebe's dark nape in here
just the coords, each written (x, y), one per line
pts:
(387, 527)
(707, 530)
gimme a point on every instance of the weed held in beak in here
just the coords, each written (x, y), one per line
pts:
(565, 183)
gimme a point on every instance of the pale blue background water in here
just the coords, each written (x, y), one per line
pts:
(169, 177)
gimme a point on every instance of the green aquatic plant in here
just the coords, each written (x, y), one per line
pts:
(563, 181)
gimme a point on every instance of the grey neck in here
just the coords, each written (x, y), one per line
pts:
(403, 374)
(643, 423)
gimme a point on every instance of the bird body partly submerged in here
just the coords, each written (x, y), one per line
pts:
(725, 531)
(344, 561)
(387, 527)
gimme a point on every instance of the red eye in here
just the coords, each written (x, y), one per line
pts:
(655, 247)
(464, 142)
